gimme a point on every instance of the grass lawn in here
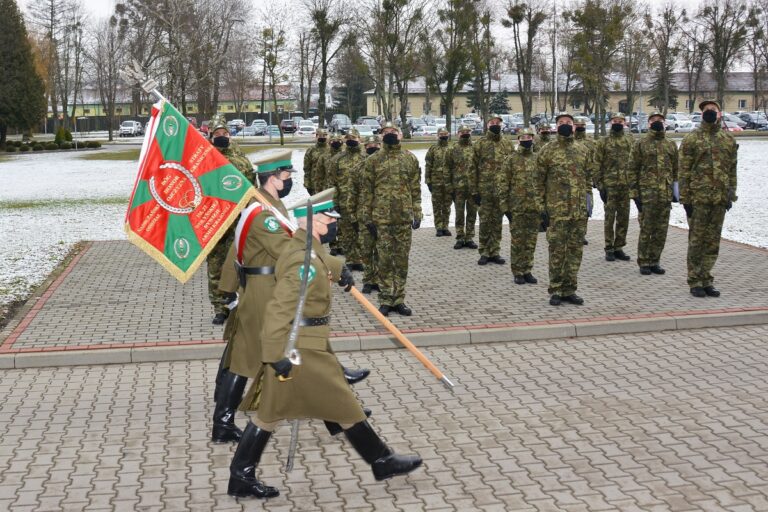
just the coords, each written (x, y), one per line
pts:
(38, 203)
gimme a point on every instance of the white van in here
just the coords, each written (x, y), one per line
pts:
(131, 129)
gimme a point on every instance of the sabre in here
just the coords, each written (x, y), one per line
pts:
(290, 350)
(401, 338)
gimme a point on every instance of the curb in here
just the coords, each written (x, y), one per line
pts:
(461, 336)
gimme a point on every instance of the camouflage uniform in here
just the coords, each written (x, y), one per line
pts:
(708, 185)
(343, 174)
(321, 169)
(654, 170)
(438, 179)
(563, 188)
(591, 144)
(542, 139)
(311, 157)
(391, 199)
(218, 254)
(491, 153)
(521, 200)
(369, 253)
(460, 161)
(613, 157)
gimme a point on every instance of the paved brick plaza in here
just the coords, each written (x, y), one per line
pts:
(115, 296)
(668, 422)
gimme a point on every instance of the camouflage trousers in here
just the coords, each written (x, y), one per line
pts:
(215, 260)
(566, 245)
(466, 215)
(490, 225)
(441, 206)
(370, 256)
(524, 231)
(705, 227)
(394, 245)
(654, 222)
(616, 218)
(348, 239)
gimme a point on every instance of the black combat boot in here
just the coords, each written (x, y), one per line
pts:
(356, 266)
(711, 291)
(609, 256)
(335, 429)
(384, 309)
(698, 291)
(459, 244)
(384, 462)
(555, 300)
(229, 393)
(355, 376)
(519, 280)
(497, 260)
(242, 470)
(367, 288)
(646, 271)
(586, 242)
(656, 269)
(573, 299)
(446, 233)
(439, 232)
(402, 309)
(220, 317)
(483, 260)
(621, 255)
(529, 278)
(470, 244)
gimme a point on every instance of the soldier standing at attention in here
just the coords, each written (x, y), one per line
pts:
(438, 179)
(613, 158)
(343, 175)
(461, 167)
(563, 186)
(653, 186)
(707, 191)
(522, 204)
(322, 175)
(317, 388)
(580, 127)
(311, 157)
(491, 153)
(545, 136)
(370, 254)
(221, 140)
(391, 200)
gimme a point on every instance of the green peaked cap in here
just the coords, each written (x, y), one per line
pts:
(322, 202)
(274, 162)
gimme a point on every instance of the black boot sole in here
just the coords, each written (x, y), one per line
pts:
(400, 471)
(238, 489)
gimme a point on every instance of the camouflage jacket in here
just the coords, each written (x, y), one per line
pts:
(461, 166)
(237, 158)
(491, 154)
(708, 166)
(343, 174)
(591, 145)
(654, 168)
(539, 142)
(563, 185)
(436, 173)
(391, 191)
(519, 184)
(613, 159)
(311, 157)
(322, 168)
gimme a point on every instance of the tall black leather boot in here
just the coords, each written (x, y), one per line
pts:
(335, 429)
(231, 387)
(242, 469)
(355, 376)
(384, 462)
(219, 373)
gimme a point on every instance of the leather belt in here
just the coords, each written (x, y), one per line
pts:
(314, 322)
(258, 271)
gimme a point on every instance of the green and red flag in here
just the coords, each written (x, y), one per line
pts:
(186, 194)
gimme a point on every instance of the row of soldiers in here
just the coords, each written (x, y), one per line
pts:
(544, 182)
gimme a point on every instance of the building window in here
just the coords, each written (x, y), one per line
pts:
(230, 107)
(688, 105)
(86, 111)
(118, 110)
(742, 104)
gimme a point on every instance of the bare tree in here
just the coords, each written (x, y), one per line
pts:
(309, 63)
(239, 74)
(755, 52)
(107, 57)
(634, 56)
(693, 55)
(661, 31)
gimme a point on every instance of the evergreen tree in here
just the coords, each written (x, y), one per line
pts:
(499, 104)
(659, 95)
(22, 94)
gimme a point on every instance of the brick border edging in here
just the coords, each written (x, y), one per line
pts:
(489, 333)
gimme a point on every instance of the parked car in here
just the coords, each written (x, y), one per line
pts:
(236, 124)
(260, 126)
(415, 123)
(729, 126)
(673, 119)
(425, 130)
(248, 131)
(272, 130)
(364, 130)
(306, 129)
(754, 121)
(684, 127)
(131, 129)
(734, 120)
(370, 122)
(340, 123)
(288, 126)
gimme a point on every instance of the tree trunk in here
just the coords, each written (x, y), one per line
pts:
(3, 133)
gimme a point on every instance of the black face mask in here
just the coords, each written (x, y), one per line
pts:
(221, 141)
(617, 127)
(390, 139)
(371, 151)
(657, 126)
(287, 185)
(580, 129)
(709, 116)
(565, 130)
(330, 236)
(336, 144)
(352, 143)
(526, 144)
(322, 140)
(495, 129)
(465, 136)
(443, 138)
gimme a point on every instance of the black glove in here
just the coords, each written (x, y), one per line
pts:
(311, 191)
(346, 280)
(477, 199)
(508, 215)
(453, 196)
(429, 187)
(603, 195)
(639, 204)
(373, 230)
(544, 220)
(282, 367)
(688, 210)
(228, 297)
(729, 205)
(416, 223)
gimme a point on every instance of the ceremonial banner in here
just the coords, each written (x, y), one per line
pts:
(186, 194)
